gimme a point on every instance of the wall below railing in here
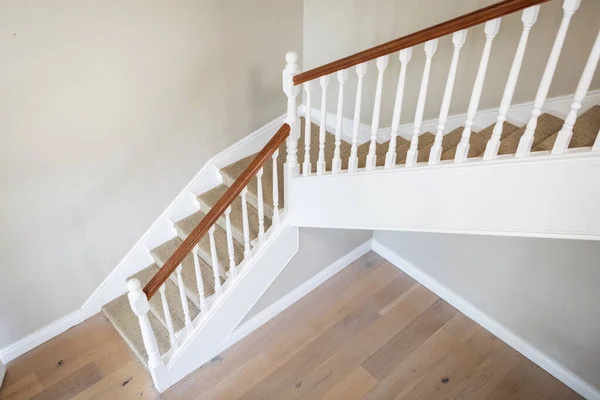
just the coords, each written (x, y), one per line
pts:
(540, 196)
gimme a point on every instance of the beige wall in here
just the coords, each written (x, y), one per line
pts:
(543, 290)
(107, 109)
(337, 28)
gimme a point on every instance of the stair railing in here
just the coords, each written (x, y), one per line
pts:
(489, 16)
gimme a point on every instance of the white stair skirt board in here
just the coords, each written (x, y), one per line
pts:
(527, 349)
(539, 196)
(305, 288)
(158, 233)
(2, 372)
(518, 115)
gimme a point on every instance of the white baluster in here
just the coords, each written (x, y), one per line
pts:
(528, 18)
(569, 8)
(184, 302)
(597, 142)
(199, 280)
(139, 305)
(336, 164)
(324, 82)
(230, 250)
(458, 40)
(216, 267)
(382, 63)
(411, 155)
(261, 206)
(361, 70)
(168, 318)
(491, 30)
(564, 136)
(275, 189)
(291, 91)
(390, 157)
(306, 167)
(245, 224)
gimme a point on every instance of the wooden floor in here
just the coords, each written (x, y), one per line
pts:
(370, 332)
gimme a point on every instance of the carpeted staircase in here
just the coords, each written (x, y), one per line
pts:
(119, 311)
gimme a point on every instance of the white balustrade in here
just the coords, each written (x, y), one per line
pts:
(324, 82)
(168, 318)
(275, 189)
(261, 206)
(292, 92)
(382, 63)
(306, 166)
(245, 223)
(491, 30)
(184, 301)
(140, 306)
(216, 267)
(336, 164)
(230, 250)
(412, 154)
(390, 157)
(458, 40)
(564, 136)
(569, 8)
(361, 70)
(199, 280)
(529, 17)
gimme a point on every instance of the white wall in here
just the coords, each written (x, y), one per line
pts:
(107, 110)
(543, 290)
(337, 28)
(319, 248)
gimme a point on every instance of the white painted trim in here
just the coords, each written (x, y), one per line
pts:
(159, 232)
(513, 340)
(518, 115)
(2, 372)
(305, 288)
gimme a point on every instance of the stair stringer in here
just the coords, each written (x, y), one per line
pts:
(211, 330)
(540, 196)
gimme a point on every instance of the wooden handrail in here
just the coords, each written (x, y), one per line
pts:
(216, 211)
(445, 28)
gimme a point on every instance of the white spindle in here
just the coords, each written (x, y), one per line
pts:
(184, 302)
(336, 164)
(215, 261)
(245, 224)
(261, 206)
(275, 189)
(597, 142)
(324, 82)
(230, 250)
(564, 136)
(569, 8)
(361, 70)
(390, 157)
(458, 40)
(382, 63)
(292, 91)
(306, 167)
(199, 280)
(491, 30)
(528, 18)
(139, 305)
(411, 155)
(168, 318)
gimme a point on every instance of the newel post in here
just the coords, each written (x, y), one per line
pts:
(139, 305)
(292, 168)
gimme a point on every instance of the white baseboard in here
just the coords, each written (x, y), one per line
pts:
(518, 115)
(280, 305)
(525, 348)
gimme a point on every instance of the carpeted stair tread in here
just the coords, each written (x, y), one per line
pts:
(585, 131)
(162, 253)
(451, 152)
(209, 199)
(479, 141)
(120, 314)
(547, 125)
(187, 225)
(345, 148)
(425, 151)
(173, 300)
(402, 147)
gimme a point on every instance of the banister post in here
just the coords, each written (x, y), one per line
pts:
(139, 305)
(292, 168)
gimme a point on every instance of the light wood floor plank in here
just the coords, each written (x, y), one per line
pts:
(353, 387)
